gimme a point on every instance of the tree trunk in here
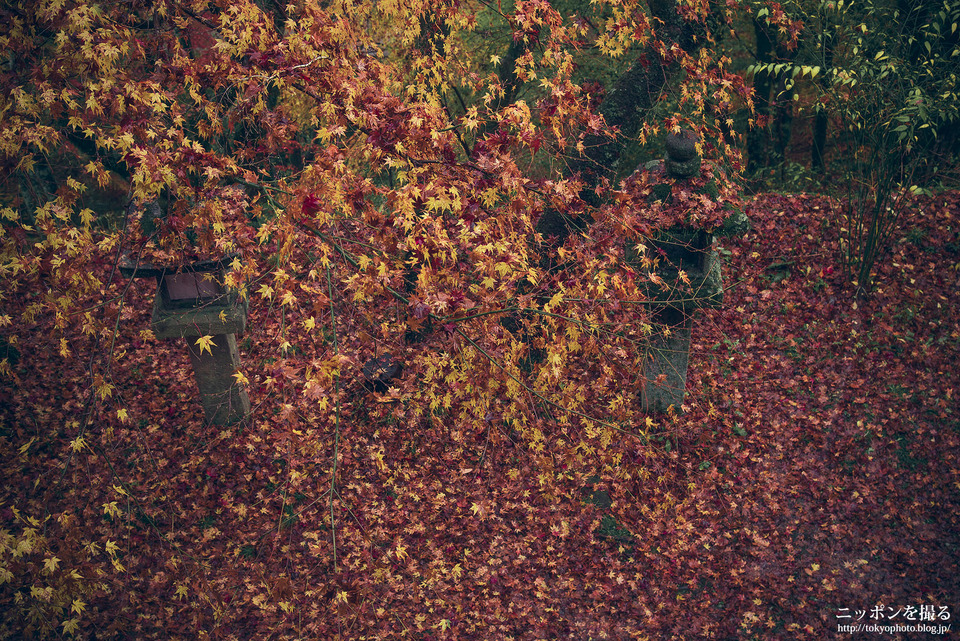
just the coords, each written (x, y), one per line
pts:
(822, 119)
(758, 139)
(782, 115)
(625, 106)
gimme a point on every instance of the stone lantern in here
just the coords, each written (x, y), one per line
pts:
(690, 250)
(192, 301)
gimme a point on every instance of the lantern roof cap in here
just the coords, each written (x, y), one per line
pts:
(132, 268)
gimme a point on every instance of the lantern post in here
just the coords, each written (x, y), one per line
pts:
(192, 302)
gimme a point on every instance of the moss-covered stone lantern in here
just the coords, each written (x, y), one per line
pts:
(191, 302)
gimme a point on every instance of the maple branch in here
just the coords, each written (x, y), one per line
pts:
(279, 72)
(496, 9)
(404, 299)
(456, 128)
(446, 319)
(350, 259)
(91, 403)
(346, 255)
(506, 310)
(408, 157)
(336, 432)
(467, 165)
(540, 396)
(483, 456)
(533, 310)
(301, 88)
(201, 20)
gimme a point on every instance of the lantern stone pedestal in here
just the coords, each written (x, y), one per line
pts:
(192, 302)
(665, 369)
(224, 401)
(689, 250)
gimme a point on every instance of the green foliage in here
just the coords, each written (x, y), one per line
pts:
(788, 177)
(887, 73)
(611, 529)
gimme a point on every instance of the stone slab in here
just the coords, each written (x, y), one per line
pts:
(224, 401)
(227, 317)
(665, 368)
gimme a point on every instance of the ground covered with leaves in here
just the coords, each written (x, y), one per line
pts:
(813, 474)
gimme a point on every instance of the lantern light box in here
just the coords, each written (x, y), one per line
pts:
(192, 301)
(186, 289)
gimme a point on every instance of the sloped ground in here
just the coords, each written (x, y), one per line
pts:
(814, 475)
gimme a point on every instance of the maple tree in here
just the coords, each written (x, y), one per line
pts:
(379, 173)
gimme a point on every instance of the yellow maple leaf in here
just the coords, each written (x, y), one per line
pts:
(50, 565)
(205, 343)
